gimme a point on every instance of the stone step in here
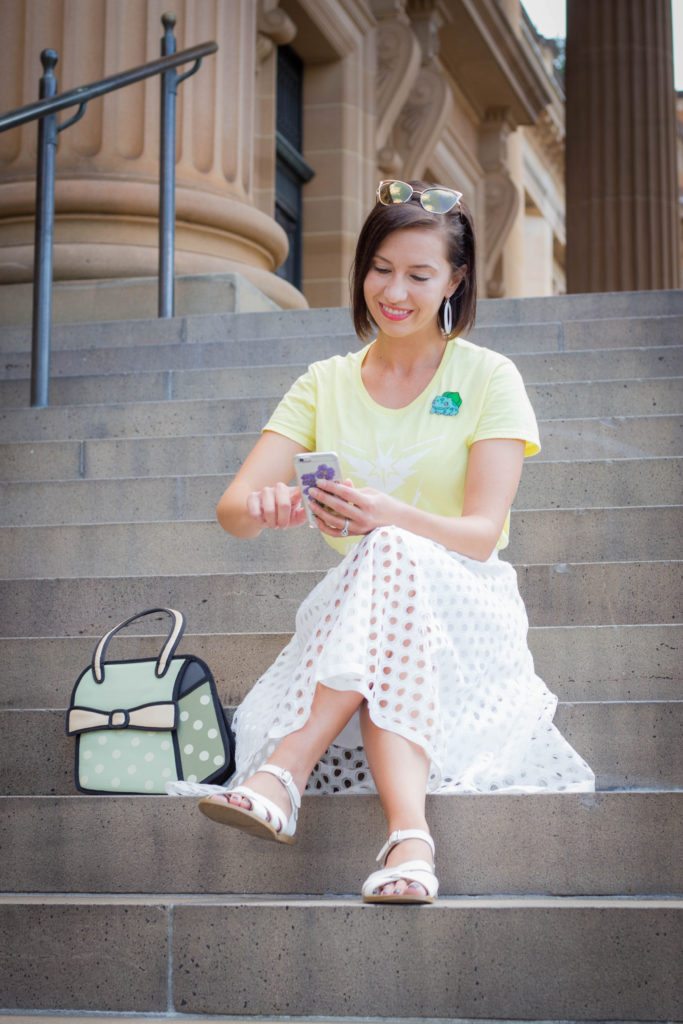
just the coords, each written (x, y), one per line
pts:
(289, 323)
(550, 401)
(637, 662)
(602, 484)
(617, 307)
(116, 348)
(181, 417)
(528, 312)
(112, 549)
(559, 594)
(628, 744)
(619, 843)
(130, 385)
(608, 958)
(627, 437)
(179, 1018)
(83, 1018)
(605, 305)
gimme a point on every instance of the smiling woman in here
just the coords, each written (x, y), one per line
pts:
(409, 671)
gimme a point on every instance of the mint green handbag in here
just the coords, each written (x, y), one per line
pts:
(141, 724)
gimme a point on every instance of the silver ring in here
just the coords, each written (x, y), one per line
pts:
(345, 529)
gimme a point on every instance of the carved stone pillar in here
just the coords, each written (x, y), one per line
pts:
(275, 28)
(429, 105)
(622, 218)
(107, 164)
(502, 201)
(398, 65)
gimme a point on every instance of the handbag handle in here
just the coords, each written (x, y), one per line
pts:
(167, 651)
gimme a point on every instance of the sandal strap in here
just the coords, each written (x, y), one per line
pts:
(418, 871)
(399, 835)
(285, 777)
(262, 807)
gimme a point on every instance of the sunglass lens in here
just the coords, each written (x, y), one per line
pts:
(394, 192)
(439, 200)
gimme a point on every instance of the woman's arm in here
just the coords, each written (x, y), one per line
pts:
(259, 495)
(494, 468)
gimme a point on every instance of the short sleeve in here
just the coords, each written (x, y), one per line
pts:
(506, 410)
(295, 416)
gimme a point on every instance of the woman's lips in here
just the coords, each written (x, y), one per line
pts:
(393, 313)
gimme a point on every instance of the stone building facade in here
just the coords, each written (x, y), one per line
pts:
(284, 134)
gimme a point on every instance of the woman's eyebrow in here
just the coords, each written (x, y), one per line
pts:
(413, 266)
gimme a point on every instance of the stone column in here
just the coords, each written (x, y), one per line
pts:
(622, 203)
(107, 164)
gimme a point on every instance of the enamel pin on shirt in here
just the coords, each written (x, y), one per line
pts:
(447, 404)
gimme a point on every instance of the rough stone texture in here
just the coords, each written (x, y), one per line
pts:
(635, 743)
(186, 1019)
(239, 364)
(584, 535)
(623, 333)
(48, 460)
(97, 458)
(568, 960)
(599, 484)
(130, 384)
(641, 662)
(639, 396)
(592, 844)
(610, 593)
(576, 403)
(83, 956)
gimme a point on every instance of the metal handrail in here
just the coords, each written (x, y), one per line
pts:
(84, 93)
(45, 112)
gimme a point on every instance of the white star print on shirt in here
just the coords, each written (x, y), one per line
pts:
(387, 469)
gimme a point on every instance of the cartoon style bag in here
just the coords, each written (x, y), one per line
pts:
(142, 724)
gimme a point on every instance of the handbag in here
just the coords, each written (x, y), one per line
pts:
(142, 724)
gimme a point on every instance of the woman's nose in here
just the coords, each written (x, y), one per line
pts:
(395, 289)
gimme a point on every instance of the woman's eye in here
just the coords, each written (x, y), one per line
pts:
(381, 270)
(416, 278)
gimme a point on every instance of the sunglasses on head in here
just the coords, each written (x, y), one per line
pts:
(437, 199)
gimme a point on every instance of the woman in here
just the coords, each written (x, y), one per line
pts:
(409, 669)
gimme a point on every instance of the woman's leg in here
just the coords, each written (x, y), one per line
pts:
(300, 750)
(400, 770)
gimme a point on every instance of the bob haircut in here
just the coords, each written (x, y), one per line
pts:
(457, 230)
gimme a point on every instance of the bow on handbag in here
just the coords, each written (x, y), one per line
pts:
(145, 716)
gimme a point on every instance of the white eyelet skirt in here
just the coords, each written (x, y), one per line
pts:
(437, 645)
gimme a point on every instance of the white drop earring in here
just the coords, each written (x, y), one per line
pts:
(447, 316)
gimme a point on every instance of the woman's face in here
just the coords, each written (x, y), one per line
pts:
(409, 278)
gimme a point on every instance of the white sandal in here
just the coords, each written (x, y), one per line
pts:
(264, 818)
(419, 871)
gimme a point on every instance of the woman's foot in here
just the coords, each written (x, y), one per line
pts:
(268, 809)
(407, 875)
(264, 784)
(409, 849)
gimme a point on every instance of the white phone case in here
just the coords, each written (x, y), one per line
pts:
(311, 466)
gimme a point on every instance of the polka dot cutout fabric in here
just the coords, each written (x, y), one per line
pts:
(436, 644)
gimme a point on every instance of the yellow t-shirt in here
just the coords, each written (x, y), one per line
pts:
(418, 453)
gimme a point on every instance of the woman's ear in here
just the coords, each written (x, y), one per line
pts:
(456, 280)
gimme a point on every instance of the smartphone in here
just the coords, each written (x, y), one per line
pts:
(311, 467)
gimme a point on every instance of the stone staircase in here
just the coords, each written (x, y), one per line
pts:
(555, 907)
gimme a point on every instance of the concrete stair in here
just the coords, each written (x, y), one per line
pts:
(554, 907)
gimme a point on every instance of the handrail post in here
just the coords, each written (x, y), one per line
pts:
(169, 83)
(44, 236)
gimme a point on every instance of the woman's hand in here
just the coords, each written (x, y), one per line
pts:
(364, 507)
(278, 507)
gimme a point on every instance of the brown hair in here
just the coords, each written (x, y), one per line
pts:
(458, 233)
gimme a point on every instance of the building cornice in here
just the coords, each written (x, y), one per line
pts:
(342, 24)
(491, 63)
